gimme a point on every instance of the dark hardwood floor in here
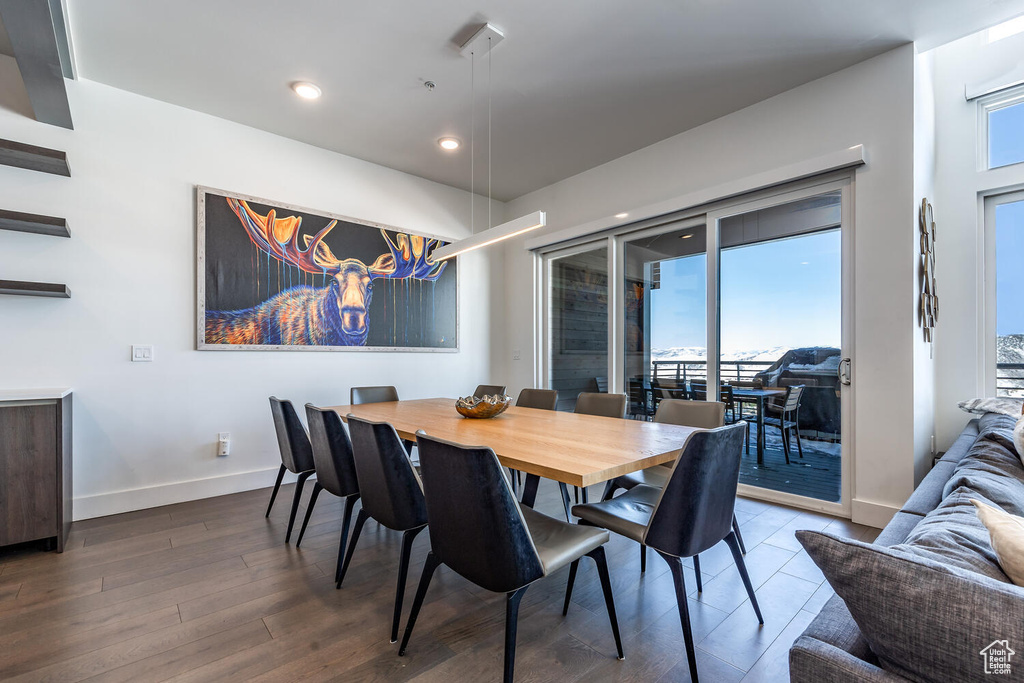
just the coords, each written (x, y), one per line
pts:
(208, 591)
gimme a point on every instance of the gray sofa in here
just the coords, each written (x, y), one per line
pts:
(832, 648)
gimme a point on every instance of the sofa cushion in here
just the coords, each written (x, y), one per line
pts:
(898, 528)
(991, 468)
(835, 626)
(952, 534)
(924, 620)
(962, 444)
(929, 493)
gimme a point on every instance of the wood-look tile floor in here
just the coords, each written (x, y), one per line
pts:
(208, 591)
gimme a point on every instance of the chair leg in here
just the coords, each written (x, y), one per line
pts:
(573, 568)
(643, 558)
(403, 574)
(277, 485)
(576, 494)
(737, 556)
(512, 600)
(597, 554)
(512, 481)
(429, 566)
(747, 439)
(696, 572)
(799, 446)
(303, 476)
(566, 501)
(676, 565)
(346, 521)
(739, 538)
(609, 490)
(360, 521)
(317, 488)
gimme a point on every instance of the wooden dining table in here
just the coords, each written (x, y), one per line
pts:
(571, 449)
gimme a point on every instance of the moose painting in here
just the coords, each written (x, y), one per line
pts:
(273, 276)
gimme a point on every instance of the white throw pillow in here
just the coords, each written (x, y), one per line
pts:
(1018, 438)
(1007, 534)
(1005, 406)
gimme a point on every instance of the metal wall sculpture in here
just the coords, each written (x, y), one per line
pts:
(929, 298)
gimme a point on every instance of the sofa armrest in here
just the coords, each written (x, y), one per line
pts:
(812, 661)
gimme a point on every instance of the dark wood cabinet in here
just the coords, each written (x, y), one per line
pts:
(35, 467)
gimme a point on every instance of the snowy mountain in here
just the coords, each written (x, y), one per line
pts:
(699, 353)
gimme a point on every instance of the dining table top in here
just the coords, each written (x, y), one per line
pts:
(579, 450)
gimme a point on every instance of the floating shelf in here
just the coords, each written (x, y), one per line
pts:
(30, 222)
(34, 158)
(34, 289)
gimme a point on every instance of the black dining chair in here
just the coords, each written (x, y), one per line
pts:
(542, 399)
(700, 414)
(296, 454)
(391, 493)
(501, 547)
(381, 394)
(335, 470)
(489, 390)
(689, 516)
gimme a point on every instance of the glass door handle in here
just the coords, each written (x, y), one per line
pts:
(844, 371)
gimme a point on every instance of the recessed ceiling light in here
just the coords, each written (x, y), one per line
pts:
(449, 143)
(307, 91)
(686, 236)
(621, 215)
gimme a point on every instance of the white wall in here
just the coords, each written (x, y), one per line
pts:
(872, 104)
(959, 187)
(145, 433)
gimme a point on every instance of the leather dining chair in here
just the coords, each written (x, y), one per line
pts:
(700, 414)
(542, 399)
(602, 405)
(335, 470)
(296, 454)
(360, 395)
(489, 390)
(391, 493)
(501, 547)
(689, 516)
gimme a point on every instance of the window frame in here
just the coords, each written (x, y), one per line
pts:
(988, 290)
(1002, 99)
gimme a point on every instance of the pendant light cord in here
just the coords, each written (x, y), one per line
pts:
(489, 50)
(472, 143)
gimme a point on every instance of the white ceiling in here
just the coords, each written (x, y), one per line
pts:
(576, 82)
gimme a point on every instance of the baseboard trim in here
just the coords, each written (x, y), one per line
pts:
(872, 514)
(116, 502)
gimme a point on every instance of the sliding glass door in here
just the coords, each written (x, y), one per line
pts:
(1004, 223)
(747, 302)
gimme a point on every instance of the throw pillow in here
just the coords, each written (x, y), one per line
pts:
(924, 620)
(1007, 534)
(1006, 406)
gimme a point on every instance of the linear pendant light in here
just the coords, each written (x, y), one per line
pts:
(483, 41)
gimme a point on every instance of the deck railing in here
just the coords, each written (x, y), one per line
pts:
(685, 370)
(1010, 379)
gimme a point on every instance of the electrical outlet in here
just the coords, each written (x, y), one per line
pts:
(517, 354)
(223, 443)
(142, 353)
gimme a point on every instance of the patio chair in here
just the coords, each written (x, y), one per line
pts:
(785, 415)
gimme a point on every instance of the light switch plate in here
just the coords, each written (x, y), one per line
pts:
(516, 354)
(142, 353)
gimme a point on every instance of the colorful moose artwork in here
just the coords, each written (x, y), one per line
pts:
(268, 282)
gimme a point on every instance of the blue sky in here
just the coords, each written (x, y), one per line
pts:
(1006, 136)
(781, 293)
(1009, 268)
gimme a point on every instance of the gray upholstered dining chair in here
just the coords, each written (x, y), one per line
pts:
(391, 494)
(501, 547)
(700, 414)
(542, 399)
(296, 454)
(691, 514)
(785, 415)
(335, 470)
(603, 404)
(381, 394)
(489, 390)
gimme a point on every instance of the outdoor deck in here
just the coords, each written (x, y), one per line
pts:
(817, 474)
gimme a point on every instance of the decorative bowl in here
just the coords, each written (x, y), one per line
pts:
(483, 408)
